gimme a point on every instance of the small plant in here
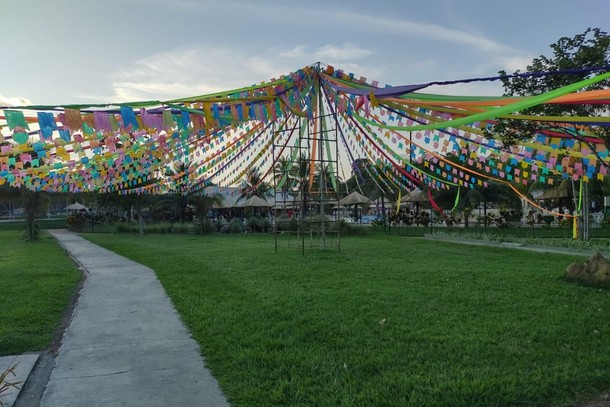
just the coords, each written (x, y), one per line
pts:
(6, 384)
(379, 223)
(219, 224)
(31, 232)
(236, 226)
(203, 226)
(264, 224)
(253, 224)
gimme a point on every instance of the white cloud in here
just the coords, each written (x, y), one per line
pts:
(190, 71)
(468, 89)
(298, 51)
(426, 30)
(512, 63)
(344, 52)
(341, 53)
(14, 101)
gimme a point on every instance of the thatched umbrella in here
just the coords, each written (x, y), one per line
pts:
(355, 198)
(416, 196)
(255, 202)
(76, 207)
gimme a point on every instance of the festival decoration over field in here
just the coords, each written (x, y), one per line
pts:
(128, 147)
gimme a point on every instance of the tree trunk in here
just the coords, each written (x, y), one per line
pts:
(140, 216)
(585, 212)
(31, 204)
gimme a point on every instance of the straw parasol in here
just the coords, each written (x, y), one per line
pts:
(417, 195)
(355, 198)
(254, 202)
(76, 207)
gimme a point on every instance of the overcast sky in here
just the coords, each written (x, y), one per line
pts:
(102, 51)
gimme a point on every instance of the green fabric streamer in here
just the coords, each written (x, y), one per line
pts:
(499, 111)
(457, 200)
(580, 197)
(333, 178)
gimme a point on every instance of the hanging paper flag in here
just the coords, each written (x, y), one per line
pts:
(101, 121)
(46, 122)
(73, 119)
(168, 120)
(64, 135)
(129, 118)
(186, 119)
(15, 118)
(21, 137)
(198, 122)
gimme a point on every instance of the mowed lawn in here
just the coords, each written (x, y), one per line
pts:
(36, 283)
(387, 321)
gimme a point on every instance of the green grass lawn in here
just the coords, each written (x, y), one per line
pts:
(387, 321)
(36, 283)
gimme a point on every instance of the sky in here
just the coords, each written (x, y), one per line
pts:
(109, 51)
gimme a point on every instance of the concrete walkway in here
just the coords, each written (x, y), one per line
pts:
(125, 345)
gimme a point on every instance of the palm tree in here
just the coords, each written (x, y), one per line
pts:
(300, 182)
(254, 185)
(202, 203)
(179, 174)
(282, 173)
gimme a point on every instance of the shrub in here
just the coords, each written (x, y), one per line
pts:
(284, 223)
(264, 224)
(236, 226)
(379, 223)
(204, 226)
(347, 229)
(252, 224)
(219, 224)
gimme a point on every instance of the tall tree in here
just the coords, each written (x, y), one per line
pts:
(178, 197)
(202, 203)
(571, 56)
(254, 185)
(33, 202)
(570, 59)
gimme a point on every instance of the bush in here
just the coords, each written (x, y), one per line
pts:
(236, 226)
(284, 223)
(252, 224)
(379, 223)
(347, 229)
(159, 228)
(203, 226)
(264, 224)
(220, 224)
